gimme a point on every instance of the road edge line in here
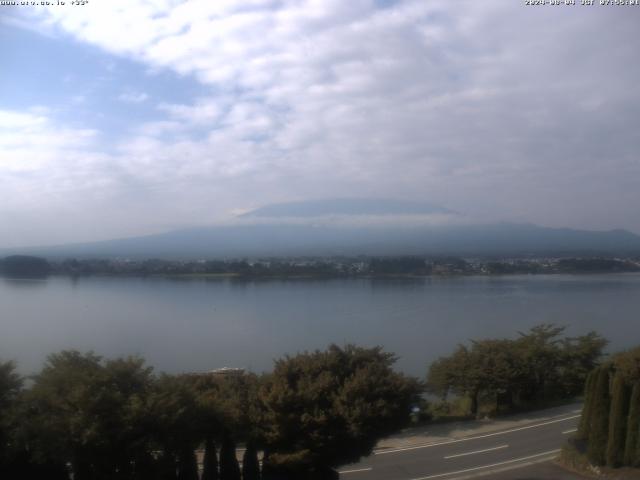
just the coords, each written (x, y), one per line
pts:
(467, 439)
(550, 455)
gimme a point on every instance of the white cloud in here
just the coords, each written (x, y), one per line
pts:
(203, 112)
(486, 107)
(133, 97)
(31, 142)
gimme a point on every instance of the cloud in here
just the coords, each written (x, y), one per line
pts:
(29, 142)
(488, 108)
(133, 97)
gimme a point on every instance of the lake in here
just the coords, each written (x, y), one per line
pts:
(184, 325)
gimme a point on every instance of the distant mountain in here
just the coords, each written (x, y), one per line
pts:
(346, 206)
(297, 240)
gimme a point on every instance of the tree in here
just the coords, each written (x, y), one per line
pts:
(65, 402)
(627, 364)
(187, 464)
(499, 369)
(460, 374)
(398, 266)
(599, 420)
(145, 467)
(618, 421)
(489, 368)
(24, 266)
(88, 413)
(580, 355)
(632, 442)
(540, 350)
(229, 468)
(175, 423)
(10, 387)
(167, 468)
(583, 428)
(210, 461)
(536, 367)
(328, 408)
(250, 465)
(611, 417)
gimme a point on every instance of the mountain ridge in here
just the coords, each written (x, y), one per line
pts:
(288, 240)
(346, 206)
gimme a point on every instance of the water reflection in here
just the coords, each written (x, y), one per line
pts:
(191, 324)
(22, 283)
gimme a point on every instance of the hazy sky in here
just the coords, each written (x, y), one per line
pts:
(123, 117)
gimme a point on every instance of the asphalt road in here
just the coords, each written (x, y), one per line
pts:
(469, 456)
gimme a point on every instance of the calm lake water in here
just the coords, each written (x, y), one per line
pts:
(195, 325)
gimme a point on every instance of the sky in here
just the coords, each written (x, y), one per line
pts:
(127, 117)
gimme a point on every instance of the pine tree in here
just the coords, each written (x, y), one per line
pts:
(229, 468)
(210, 462)
(583, 428)
(599, 419)
(618, 418)
(187, 465)
(250, 465)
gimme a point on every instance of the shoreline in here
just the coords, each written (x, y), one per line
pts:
(368, 276)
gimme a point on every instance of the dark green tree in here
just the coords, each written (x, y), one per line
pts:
(187, 465)
(599, 419)
(86, 412)
(175, 422)
(500, 370)
(541, 354)
(458, 373)
(627, 364)
(632, 442)
(10, 387)
(579, 356)
(490, 368)
(537, 367)
(229, 467)
(328, 408)
(24, 266)
(210, 461)
(250, 464)
(583, 428)
(618, 419)
(167, 468)
(145, 467)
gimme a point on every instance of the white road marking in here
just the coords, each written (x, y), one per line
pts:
(570, 431)
(551, 452)
(447, 442)
(477, 451)
(356, 470)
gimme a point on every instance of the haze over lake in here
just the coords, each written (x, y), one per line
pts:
(194, 325)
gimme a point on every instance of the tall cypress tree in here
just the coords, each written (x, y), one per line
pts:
(187, 465)
(250, 464)
(618, 419)
(229, 468)
(599, 419)
(636, 461)
(167, 467)
(583, 428)
(632, 443)
(145, 467)
(268, 472)
(210, 462)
